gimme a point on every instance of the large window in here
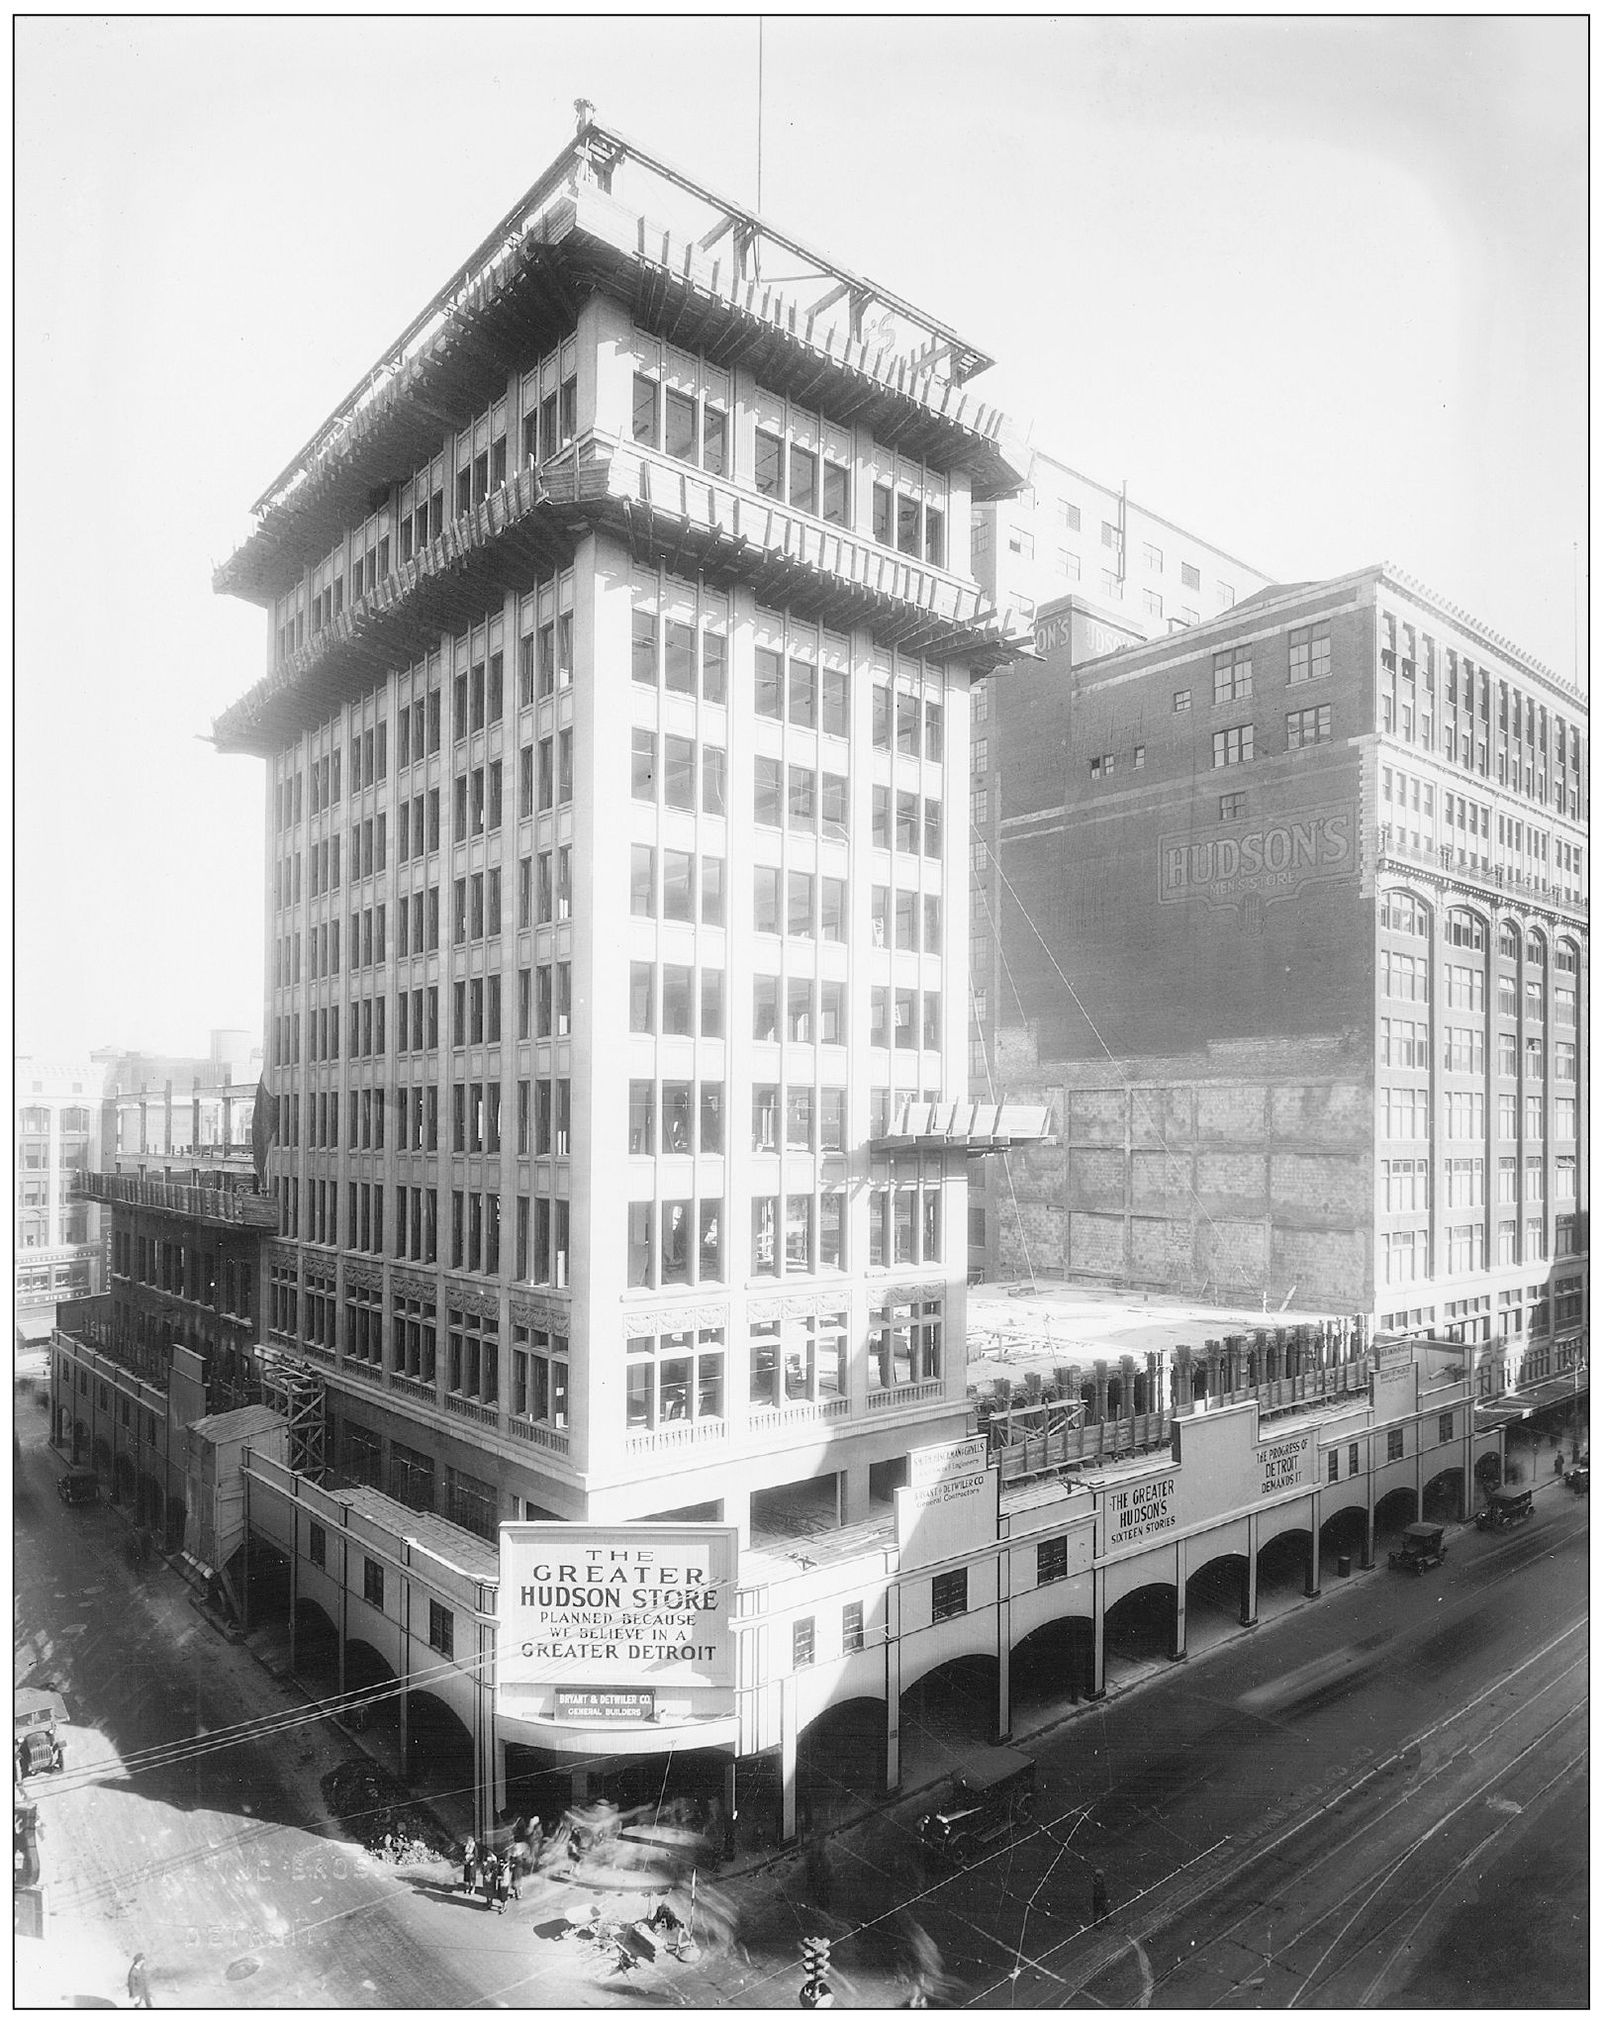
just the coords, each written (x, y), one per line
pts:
(905, 1344)
(1233, 747)
(1308, 653)
(1233, 675)
(798, 1359)
(1308, 726)
(674, 1378)
(949, 1595)
(681, 406)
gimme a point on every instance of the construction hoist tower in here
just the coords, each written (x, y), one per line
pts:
(294, 1388)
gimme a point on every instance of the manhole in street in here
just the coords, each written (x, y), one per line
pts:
(242, 1968)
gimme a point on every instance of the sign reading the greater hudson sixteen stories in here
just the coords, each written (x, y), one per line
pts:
(625, 1604)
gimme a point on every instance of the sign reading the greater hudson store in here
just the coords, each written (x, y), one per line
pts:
(1138, 1511)
(1277, 857)
(1286, 1463)
(626, 1605)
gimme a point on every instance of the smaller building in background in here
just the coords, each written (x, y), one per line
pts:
(1068, 535)
(115, 1109)
(61, 1132)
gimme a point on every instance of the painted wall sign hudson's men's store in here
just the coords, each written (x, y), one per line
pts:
(1270, 856)
(625, 1605)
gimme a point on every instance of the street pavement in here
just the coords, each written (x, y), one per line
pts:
(1377, 1799)
(1379, 1802)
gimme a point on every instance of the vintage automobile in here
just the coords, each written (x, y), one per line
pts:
(1420, 1546)
(1576, 1479)
(25, 1830)
(1505, 1507)
(989, 1797)
(37, 1720)
(79, 1484)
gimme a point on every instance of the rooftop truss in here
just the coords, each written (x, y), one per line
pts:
(883, 361)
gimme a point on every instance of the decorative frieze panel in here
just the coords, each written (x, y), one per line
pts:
(473, 1298)
(549, 1315)
(640, 1320)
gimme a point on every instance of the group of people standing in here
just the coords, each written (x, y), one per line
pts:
(497, 1876)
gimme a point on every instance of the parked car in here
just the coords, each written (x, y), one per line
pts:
(1576, 1479)
(25, 1830)
(1505, 1506)
(79, 1484)
(37, 1720)
(1420, 1546)
(988, 1798)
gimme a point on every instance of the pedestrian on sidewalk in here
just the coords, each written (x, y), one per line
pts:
(487, 1879)
(537, 1843)
(504, 1883)
(470, 1866)
(1099, 1896)
(139, 1982)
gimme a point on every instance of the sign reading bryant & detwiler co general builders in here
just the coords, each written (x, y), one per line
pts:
(616, 1610)
(1136, 1512)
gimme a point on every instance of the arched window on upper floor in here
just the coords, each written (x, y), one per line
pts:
(1536, 951)
(1403, 912)
(1509, 940)
(1466, 929)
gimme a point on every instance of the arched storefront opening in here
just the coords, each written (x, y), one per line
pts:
(1054, 1664)
(124, 1481)
(266, 1572)
(653, 1783)
(1342, 1535)
(1442, 1500)
(1216, 1598)
(367, 1672)
(1489, 1474)
(1283, 1567)
(841, 1759)
(952, 1706)
(1393, 1511)
(101, 1453)
(1140, 1627)
(80, 1441)
(152, 1506)
(317, 1645)
(439, 1746)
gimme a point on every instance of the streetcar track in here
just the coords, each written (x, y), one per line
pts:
(1373, 1824)
(1413, 1741)
(1475, 1853)
(1371, 1889)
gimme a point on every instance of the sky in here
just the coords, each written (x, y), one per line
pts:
(1314, 288)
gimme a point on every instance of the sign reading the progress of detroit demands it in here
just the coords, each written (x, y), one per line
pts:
(1275, 857)
(1286, 1463)
(628, 1606)
(1138, 1511)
